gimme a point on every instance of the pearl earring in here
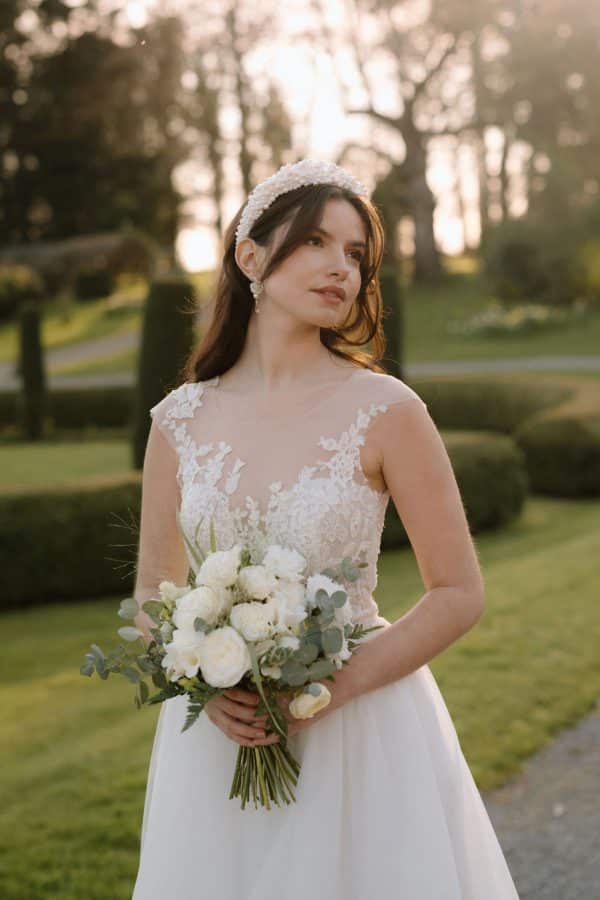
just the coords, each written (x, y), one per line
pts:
(256, 287)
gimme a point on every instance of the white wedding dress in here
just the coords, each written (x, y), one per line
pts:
(387, 808)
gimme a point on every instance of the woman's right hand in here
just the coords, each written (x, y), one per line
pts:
(233, 712)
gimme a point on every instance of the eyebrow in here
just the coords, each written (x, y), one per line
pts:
(352, 243)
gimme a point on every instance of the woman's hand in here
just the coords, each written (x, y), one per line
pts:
(233, 712)
(341, 692)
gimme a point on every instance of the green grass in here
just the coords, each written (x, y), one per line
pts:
(74, 751)
(428, 310)
(49, 463)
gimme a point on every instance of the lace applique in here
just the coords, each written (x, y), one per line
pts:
(328, 512)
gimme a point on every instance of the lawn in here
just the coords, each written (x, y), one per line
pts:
(74, 751)
(429, 310)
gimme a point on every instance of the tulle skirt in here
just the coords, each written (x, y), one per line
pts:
(386, 808)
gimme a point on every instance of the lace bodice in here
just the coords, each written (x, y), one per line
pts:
(294, 478)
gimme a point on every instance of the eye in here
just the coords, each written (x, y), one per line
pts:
(357, 254)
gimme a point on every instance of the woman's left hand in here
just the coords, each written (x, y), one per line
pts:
(340, 693)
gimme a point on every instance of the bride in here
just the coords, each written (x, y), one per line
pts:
(285, 429)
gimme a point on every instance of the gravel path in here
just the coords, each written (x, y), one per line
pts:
(547, 818)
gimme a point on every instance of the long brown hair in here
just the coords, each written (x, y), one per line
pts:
(224, 340)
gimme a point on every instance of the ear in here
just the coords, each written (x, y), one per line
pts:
(249, 257)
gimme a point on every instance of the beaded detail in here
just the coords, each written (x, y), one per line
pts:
(330, 511)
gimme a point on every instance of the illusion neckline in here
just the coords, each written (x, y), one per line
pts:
(291, 411)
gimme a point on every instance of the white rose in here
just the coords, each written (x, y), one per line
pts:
(220, 569)
(182, 655)
(314, 583)
(284, 563)
(224, 657)
(201, 601)
(257, 581)
(255, 621)
(291, 605)
(170, 592)
(304, 706)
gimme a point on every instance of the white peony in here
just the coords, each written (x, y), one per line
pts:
(201, 601)
(255, 621)
(284, 563)
(291, 605)
(257, 582)
(314, 583)
(220, 569)
(224, 657)
(182, 655)
(304, 706)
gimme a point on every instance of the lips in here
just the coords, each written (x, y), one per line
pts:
(332, 295)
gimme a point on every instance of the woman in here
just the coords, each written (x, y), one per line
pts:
(284, 432)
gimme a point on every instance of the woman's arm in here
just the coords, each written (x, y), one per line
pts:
(417, 470)
(161, 551)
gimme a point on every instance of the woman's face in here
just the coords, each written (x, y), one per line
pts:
(329, 256)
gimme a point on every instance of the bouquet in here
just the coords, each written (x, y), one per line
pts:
(263, 627)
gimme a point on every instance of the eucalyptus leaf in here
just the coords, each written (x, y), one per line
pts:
(339, 598)
(332, 640)
(153, 608)
(128, 608)
(131, 674)
(200, 624)
(294, 673)
(145, 664)
(129, 633)
(87, 668)
(143, 687)
(321, 668)
(313, 689)
(307, 653)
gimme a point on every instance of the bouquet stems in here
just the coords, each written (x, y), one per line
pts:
(268, 772)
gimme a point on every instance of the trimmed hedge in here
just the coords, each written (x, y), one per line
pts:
(64, 542)
(555, 421)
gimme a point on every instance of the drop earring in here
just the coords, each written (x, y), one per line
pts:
(256, 287)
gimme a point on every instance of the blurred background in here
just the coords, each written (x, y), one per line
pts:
(130, 133)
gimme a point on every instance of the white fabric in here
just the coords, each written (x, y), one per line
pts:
(386, 804)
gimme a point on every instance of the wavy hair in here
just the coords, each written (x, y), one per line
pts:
(233, 302)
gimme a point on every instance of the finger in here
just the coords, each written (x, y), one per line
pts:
(237, 710)
(249, 698)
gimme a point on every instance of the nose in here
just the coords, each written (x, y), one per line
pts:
(339, 264)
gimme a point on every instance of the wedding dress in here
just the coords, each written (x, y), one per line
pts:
(386, 806)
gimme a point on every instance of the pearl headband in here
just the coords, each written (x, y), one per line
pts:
(288, 177)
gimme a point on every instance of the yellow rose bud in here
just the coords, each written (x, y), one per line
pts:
(304, 706)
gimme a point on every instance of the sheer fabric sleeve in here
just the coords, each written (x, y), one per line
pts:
(161, 552)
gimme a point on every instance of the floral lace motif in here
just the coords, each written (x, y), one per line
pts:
(329, 512)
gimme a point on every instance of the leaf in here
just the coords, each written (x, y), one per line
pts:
(332, 640)
(294, 673)
(146, 664)
(321, 668)
(129, 633)
(200, 624)
(307, 653)
(144, 692)
(339, 598)
(128, 608)
(87, 668)
(131, 674)
(349, 570)
(213, 540)
(314, 688)
(153, 608)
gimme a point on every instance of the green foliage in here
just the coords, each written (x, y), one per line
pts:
(168, 336)
(18, 283)
(33, 400)
(527, 260)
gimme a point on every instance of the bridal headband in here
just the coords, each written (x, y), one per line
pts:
(288, 177)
